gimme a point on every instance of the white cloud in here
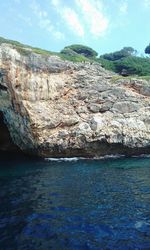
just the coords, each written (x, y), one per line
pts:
(55, 3)
(72, 20)
(94, 18)
(123, 7)
(146, 3)
(44, 22)
(70, 17)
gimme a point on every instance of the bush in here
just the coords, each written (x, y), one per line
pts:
(109, 65)
(68, 52)
(125, 52)
(82, 50)
(134, 65)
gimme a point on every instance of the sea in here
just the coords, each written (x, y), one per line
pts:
(73, 204)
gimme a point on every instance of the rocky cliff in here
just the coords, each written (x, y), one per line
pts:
(58, 108)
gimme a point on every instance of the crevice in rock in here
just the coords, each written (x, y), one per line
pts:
(6, 143)
(3, 87)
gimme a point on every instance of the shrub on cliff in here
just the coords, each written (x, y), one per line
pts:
(109, 65)
(68, 52)
(126, 60)
(134, 65)
(81, 50)
(71, 55)
(117, 55)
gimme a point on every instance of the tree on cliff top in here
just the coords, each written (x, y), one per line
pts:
(125, 52)
(82, 50)
(147, 49)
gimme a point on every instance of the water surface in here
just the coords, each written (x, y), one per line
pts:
(85, 204)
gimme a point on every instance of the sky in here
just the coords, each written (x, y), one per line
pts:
(104, 25)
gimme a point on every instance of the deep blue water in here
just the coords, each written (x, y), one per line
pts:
(85, 204)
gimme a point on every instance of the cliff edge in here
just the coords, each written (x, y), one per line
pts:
(56, 108)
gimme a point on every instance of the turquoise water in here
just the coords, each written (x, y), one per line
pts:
(85, 204)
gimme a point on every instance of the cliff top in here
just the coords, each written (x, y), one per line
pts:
(124, 62)
(26, 50)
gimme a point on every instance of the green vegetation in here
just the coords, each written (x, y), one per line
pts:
(134, 65)
(81, 50)
(147, 49)
(125, 52)
(73, 58)
(109, 65)
(126, 60)
(15, 43)
(25, 49)
(121, 61)
(71, 55)
(119, 77)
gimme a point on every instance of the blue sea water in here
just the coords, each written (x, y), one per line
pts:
(78, 204)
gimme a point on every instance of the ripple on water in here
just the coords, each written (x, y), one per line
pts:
(75, 204)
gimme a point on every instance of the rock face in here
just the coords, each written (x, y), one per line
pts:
(59, 108)
(6, 143)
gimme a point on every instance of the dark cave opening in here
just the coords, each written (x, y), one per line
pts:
(6, 143)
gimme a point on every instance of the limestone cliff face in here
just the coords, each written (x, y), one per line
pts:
(59, 108)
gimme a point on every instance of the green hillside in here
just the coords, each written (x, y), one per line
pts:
(125, 60)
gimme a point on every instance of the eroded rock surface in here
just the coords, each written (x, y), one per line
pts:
(59, 108)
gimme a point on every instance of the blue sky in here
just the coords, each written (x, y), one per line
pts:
(104, 25)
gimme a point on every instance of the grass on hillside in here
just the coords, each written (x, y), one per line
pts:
(119, 77)
(26, 50)
(137, 67)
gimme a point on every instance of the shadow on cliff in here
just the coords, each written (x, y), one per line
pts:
(8, 150)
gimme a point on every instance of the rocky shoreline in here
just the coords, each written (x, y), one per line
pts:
(56, 108)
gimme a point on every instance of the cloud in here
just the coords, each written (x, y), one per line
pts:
(87, 16)
(70, 17)
(72, 20)
(146, 3)
(94, 18)
(55, 3)
(123, 7)
(44, 22)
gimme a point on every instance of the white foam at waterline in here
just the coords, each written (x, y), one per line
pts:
(109, 157)
(117, 156)
(141, 156)
(65, 159)
(84, 158)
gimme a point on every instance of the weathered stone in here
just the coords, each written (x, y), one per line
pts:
(126, 107)
(106, 106)
(94, 107)
(145, 90)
